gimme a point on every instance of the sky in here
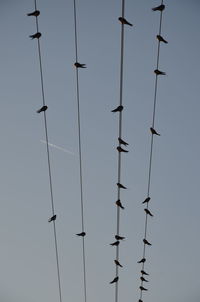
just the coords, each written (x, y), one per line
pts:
(27, 255)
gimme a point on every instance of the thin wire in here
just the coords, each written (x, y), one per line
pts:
(151, 145)
(80, 153)
(48, 160)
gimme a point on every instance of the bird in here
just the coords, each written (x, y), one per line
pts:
(121, 186)
(159, 8)
(53, 218)
(117, 237)
(114, 280)
(143, 288)
(159, 72)
(161, 39)
(82, 234)
(43, 108)
(124, 21)
(146, 242)
(120, 149)
(144, 273)
(119, 204)
(140, 300)
(143, 279)
(122, 142)
(116, 243)
(35, 36)
(146, 200)
(118, 109)
(143, 260)
(36, 13)
(153, 131)
(148, 212)
(117, 263)
(79, 65)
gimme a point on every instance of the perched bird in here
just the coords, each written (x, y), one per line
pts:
(159, 72)
(121, 186)
(140, 300)
(118, 109)
(36, 13)
(153, 131)
(142, 260)
(114, 280)
(117, 237)
(53, 218)
(144, 273)
(124, 21)
(146, 200)
(146, 242)
(116, 243)
(159, 8)
(35, 36)
(79, 65)
(161, 39)
(120, 149)
(117, 263)
(143, 279)
(143, 288)
(148, 212)
(82, 234)
(122, 142)
(43, 108)
(119, 204)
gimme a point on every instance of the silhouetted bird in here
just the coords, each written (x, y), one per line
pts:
(161, 39)
(122, 142)
(140, 300)
(79, 65)
(159, 8)
(143, 279)
(82, 234)
(146, 242)
(116, 243)
(144, 273)
(142, 260)
(119, 204)
(35, 36)
(143, 288)
(124, 21)
(121, 186)
(36, 13)
(148, 212)
(43, 108)
(53, 218)
(146, 200)
(114, 280)
(153, 131)
(120, 149)
(117, 263)
(118, 109)
(117, 237)
(159, 72)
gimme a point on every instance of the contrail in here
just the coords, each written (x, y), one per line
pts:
(57, 147)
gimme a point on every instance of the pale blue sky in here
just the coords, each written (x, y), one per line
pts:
(27, 256)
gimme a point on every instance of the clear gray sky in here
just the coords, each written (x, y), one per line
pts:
(27, 256)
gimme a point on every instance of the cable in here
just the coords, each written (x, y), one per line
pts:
(80, 152)
(48, 158)
(151, 152)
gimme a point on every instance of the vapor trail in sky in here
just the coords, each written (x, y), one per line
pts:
(57, 147)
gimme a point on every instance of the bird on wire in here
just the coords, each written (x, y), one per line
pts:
(159, 72)
(114, 280)
(161, 39)
(159, 8)
(146, 242)
(53, 218)
(122, 142)
(116, 243)
(143, 260)
(143, 288)
(120, 149)
(124, 21)
(117, 263)
(144, 273)
(143, 279)
(153, 131)
(82, 234)
(43, 108)
(121, 186)
(146, 200)
(148, 212)
(36, 35)
(118, 109)
(119, 204)
(79, 65)
(117, 237)
(36, 13)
